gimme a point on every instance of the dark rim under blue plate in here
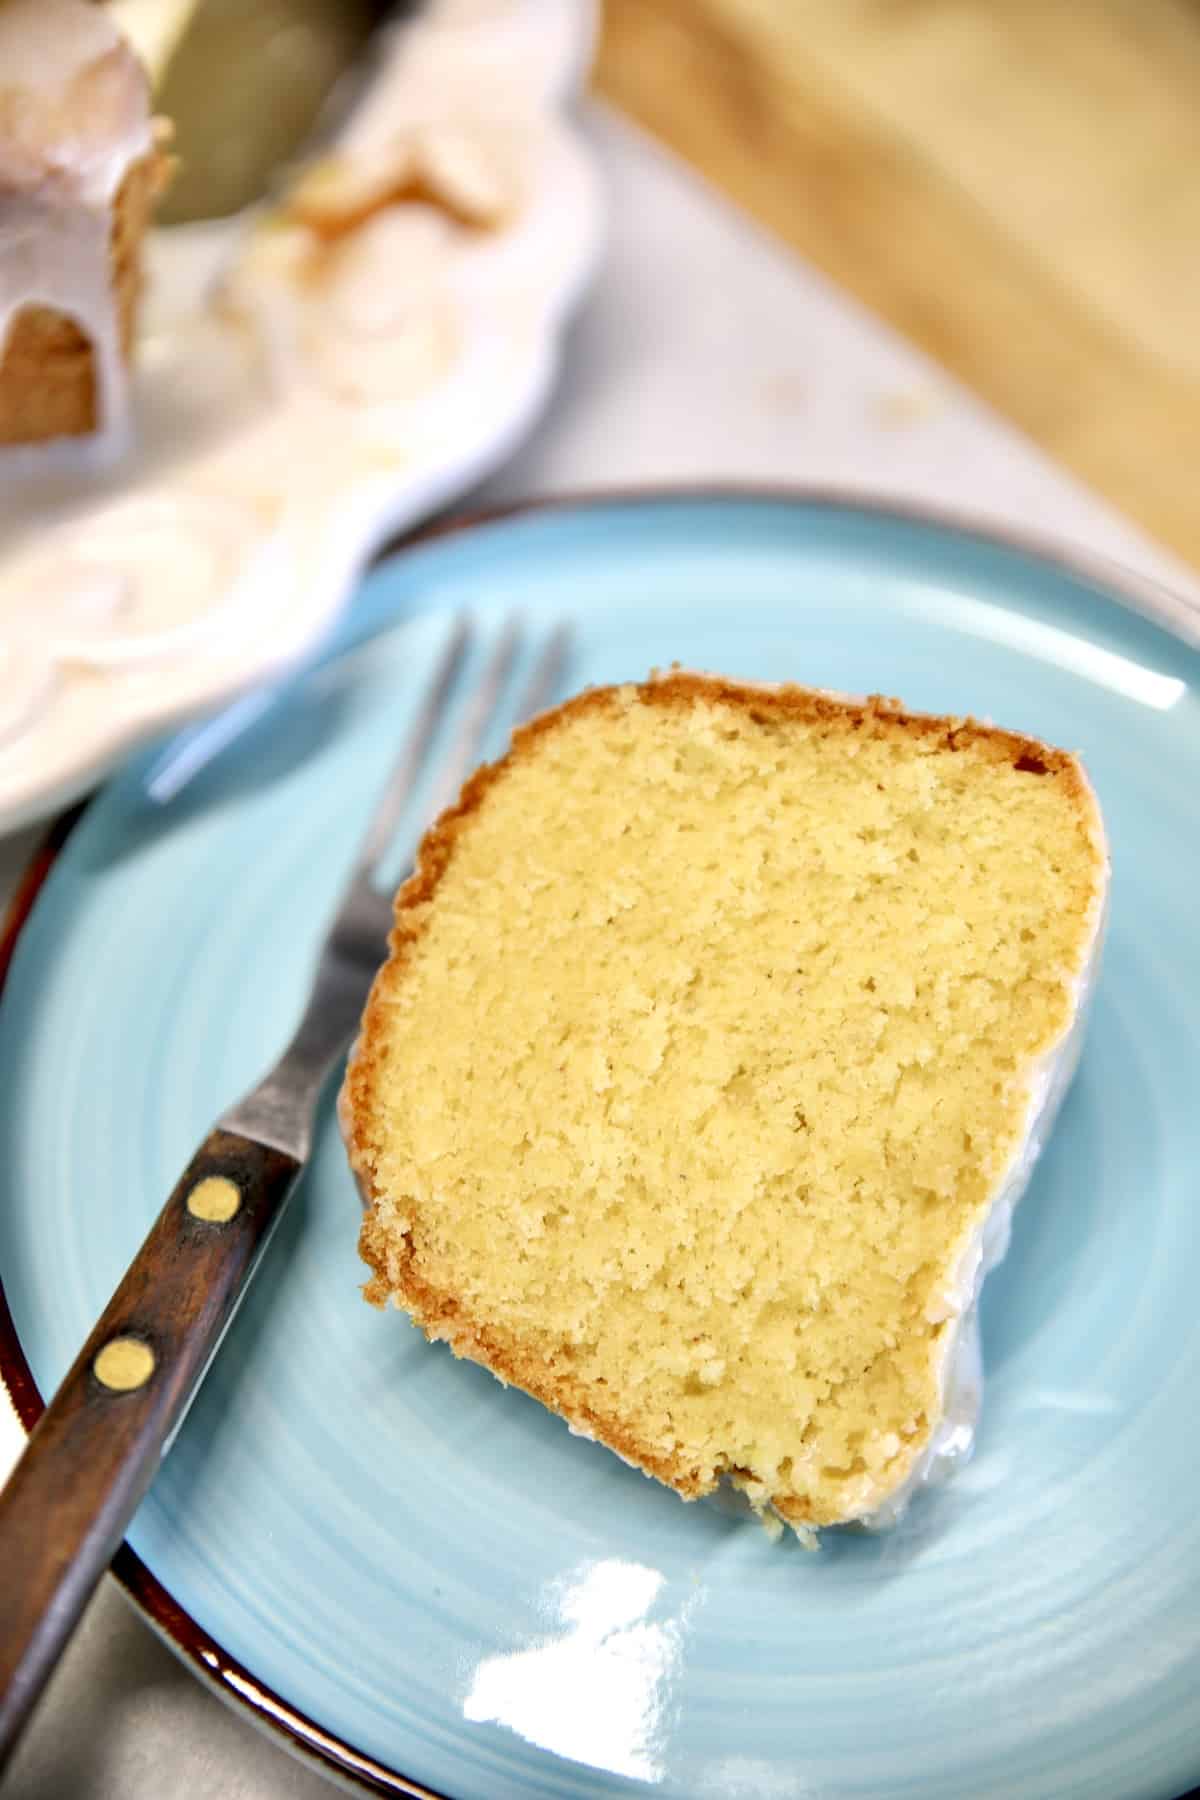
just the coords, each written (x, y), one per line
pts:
(221, 1672)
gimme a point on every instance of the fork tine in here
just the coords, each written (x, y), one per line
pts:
(395, 795)
(539, 690)
(468, 742)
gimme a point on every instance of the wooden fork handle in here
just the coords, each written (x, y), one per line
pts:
(96, 1448)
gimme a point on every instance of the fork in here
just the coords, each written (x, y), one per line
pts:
(94, 1451)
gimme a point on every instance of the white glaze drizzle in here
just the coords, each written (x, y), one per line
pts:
(100, 594)
(961, 1376)
(74, 118)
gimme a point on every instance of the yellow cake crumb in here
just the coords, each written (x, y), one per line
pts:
(706, 1038)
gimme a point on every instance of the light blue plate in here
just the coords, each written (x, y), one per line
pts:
(430, 1569)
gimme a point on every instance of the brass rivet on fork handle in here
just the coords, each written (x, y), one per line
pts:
(124, 1364)
(215, 1200)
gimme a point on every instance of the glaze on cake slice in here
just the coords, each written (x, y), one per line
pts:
(719, 1033)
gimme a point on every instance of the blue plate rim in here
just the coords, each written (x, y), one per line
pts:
(219, 1671)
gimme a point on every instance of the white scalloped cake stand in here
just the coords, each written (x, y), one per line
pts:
(278, 447)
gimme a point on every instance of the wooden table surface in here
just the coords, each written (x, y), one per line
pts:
(1014, 184)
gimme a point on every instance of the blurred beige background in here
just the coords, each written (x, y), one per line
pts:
(1014, 184)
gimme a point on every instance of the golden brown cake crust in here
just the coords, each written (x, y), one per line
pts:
(875, 716)
(549, 1377)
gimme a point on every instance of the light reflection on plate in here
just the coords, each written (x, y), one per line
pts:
(598, 1686)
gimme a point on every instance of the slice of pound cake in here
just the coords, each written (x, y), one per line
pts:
(721, 1029)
